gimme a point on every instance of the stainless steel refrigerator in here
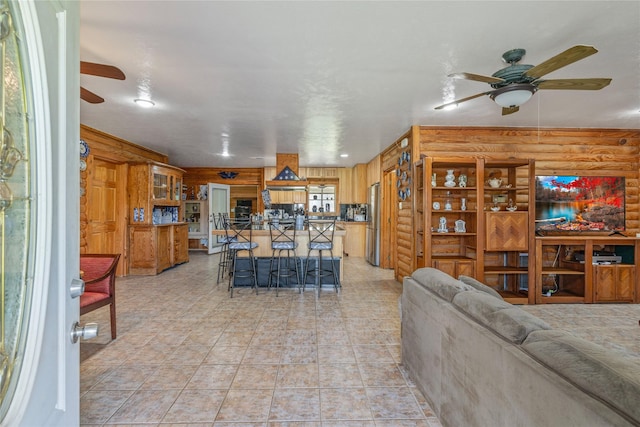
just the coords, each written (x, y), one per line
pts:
(373, 226)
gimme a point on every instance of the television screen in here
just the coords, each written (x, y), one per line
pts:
(580, 203)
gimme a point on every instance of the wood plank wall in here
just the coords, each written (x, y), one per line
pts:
(613, 152)
(109, 148)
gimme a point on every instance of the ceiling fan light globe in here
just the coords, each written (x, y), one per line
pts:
(513, 95)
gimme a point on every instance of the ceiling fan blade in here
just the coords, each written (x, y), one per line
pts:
(510, 110)
(476, 77)
(563, 59)
(460, 101)
(574, 84)
(90, 97)
(101, 70)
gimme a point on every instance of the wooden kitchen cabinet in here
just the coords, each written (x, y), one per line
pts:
(614, 283)
(355, 239)
(180, 244)
(455, 267)
(154, 248)
(158, 237)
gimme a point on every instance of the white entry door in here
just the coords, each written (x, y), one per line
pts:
(39, 212)
(219, 203)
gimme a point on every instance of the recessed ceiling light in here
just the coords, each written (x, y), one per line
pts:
(344, 155)
(144, 103)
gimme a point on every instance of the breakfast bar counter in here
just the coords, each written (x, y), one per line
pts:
(263, 252)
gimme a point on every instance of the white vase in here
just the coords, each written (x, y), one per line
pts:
(450, 179)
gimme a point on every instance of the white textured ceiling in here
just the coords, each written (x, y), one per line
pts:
(326, 78)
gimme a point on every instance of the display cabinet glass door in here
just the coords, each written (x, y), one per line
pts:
(322, 198)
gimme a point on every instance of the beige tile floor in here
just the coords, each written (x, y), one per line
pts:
(188, 355)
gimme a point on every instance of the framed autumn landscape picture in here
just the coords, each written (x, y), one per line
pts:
(580, 203)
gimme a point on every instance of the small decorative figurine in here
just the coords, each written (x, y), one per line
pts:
(433, 180)
(462, 180)
(442, 228)
(512, 206)
(450, 179)
(460, 226)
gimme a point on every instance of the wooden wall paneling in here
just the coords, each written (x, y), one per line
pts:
(194, 177)
(110, 147)
(287, 160)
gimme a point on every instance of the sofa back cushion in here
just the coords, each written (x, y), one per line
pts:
(439, 282)
(593, 368)
(508, 321)
(476, 284)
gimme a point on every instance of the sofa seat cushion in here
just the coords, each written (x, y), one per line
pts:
(439, 282)
(511, 323)
(476, 284)
(593, 368)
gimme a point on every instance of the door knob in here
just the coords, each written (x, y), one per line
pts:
(77, 287)
(86, 332)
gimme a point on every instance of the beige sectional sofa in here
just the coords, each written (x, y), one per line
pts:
(481, 361)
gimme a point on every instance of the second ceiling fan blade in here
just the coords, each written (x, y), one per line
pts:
(574, 84)
(476, 77)
(510, 110)
(563, 59)
(101, 70)
(459, 101)
(90, 97)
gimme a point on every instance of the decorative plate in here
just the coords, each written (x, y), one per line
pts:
(84, 149)
(398, 183)
(436, 206)
(401, 194)
(400, 161)
(83, 165)
(408, 192)
(404, 175)
(398, 172)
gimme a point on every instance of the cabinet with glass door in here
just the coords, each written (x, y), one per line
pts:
(322, 199)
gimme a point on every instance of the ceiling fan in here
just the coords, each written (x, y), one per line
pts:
(514, 85)
(100, 70)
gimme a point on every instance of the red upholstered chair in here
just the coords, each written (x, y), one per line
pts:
(99, 275)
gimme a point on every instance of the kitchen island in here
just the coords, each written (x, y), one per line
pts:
(263, 253)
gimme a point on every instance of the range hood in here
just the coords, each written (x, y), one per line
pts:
(287, 178)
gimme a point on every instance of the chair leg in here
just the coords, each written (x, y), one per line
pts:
(253, 266)
(336, 278)
(306, 273)
(319, 272)
(232, 271)
(112, 308)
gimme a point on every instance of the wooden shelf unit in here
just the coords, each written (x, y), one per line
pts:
(572, 281)
(452, 252)
(509, 234)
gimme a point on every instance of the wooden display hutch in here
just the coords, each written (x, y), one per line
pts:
(509, 213)
(566, 273)
(449, 244)
(158, 237)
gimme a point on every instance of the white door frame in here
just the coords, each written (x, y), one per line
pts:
(217, 205)
(47, 390)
